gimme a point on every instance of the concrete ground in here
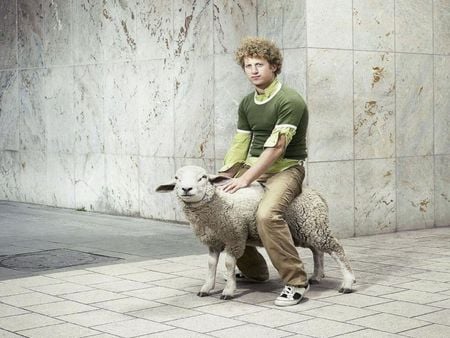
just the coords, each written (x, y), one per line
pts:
(143, 276)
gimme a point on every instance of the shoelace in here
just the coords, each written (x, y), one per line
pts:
(288, 291)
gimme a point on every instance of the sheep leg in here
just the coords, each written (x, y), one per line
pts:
(213, 260)
(318, 266)
(230, 287)
(337, 252)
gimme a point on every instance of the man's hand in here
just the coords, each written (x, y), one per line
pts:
(235, 184)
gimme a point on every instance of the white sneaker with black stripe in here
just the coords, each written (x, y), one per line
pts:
(291, 295)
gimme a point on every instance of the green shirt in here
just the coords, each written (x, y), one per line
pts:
(262, 120)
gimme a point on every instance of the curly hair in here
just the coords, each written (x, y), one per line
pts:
(261, 48)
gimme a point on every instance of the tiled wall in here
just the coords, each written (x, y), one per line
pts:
(101, 100)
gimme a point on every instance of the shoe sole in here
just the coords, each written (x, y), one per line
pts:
(282, 303)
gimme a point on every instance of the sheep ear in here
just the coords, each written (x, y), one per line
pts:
(168, 187)
(217, 179)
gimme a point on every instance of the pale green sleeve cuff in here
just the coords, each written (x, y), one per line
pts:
(237, 153)
(287, 130)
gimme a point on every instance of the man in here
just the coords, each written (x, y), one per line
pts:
(270, 147)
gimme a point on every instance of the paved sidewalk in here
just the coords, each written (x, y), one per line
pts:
(403, 284)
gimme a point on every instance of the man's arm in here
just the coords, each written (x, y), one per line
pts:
(265, 160)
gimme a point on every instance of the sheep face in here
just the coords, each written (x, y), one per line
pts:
(191, 183)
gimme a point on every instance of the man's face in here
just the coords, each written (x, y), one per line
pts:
(259, 71)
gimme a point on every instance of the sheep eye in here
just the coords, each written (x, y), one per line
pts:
(201, 178)
(176, 177)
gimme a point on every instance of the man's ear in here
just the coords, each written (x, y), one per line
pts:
(218, 179)
(168, 187)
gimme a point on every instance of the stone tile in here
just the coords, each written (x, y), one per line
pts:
(33, 177)
(431, 331)
(415, 193)
(7, 310)
(30, 33)
(424, 285)
(148, 276)
(375, 196)
(154, 30)
(442, 188)
(404, 309)
(9, 180)
(60, 289)
(232, 22)
(61, 179)
(434, 276)
(9, 102)
(373, 25)
(164, 313)
(176, 333)
(8, 42)
(369, 333)
(329, 26)
(414, 97)
(328, 86)
(121, 286)
(273, 318)
(440, 317)
(228, 309)
(205, 323)
(294, 70)
(374, 105)
(91, 278)
(270, 20)
(30, 282)
(153, 293)
(339, 312)
(335, 181)
(133, 328)
(94, 296)
(248, 330)
(441, 104)
(321, 328)
(356, 300)
(441, 28)
(7, 334)
(418, 297)
(414, 26)
(294, 24)
(443, 303)
(28, 299)
(60, 330)
(190, 300)
(87, 32)
(60, 308)
(125, 305)
(170, 267)
(181, 283)
(26, 321)
(389, 323)
(96, 317)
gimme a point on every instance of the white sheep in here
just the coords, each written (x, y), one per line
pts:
(226, 222)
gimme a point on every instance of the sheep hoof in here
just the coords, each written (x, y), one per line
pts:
(313, 281)
(202, 294)
(345, 290)
(225, 297)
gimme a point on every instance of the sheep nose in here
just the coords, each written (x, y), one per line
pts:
(187, 189)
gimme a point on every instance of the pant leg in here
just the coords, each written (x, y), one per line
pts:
(281, 189)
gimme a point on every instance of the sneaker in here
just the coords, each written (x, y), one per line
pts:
(291, 295)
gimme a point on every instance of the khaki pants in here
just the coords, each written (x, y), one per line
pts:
(280, 190)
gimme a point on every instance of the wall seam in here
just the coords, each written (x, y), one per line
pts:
(433, 76)
(353, 121)
(395, 123)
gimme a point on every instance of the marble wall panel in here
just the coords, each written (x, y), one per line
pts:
(232, 21)
(120, 105)
(88, 109)
(58, 104)
(9, 175)
(414, 26)
(194, 111)
(442, 190)
(441, 31)
(375, 196)
(30, 33)
(415, 193)
(373, 25)
(33, 177)
(335, 181)
(32, 118)
(230, 86)
(8, 35)
(294, 23)
(414, 102)
(61, 179)
(330, 103)
(58, 32)
(374, 105)
(293, 72)
(118, 34)
(154, 29)
(154, 171)
(270, 20)
(155, 89)
(9, 111)
(122, 181)
(87, 31)
(441, 104)
(329, 24)
(90, 182)
(193, 27)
